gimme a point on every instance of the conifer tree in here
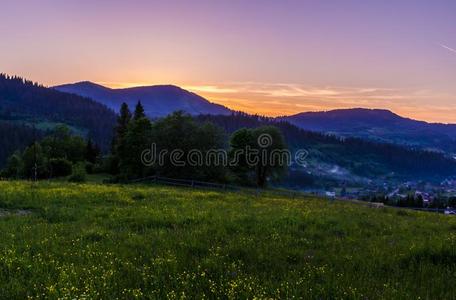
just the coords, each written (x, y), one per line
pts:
(92, 152)
(118, 142)
(139, 111)
(123, 120)
(137, 139)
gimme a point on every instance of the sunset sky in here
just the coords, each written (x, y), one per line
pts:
(269, 57)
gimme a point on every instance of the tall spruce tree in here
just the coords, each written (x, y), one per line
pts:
(123, 120)
(137, 139)
(139, 111)
(118, 143)
(92, 152)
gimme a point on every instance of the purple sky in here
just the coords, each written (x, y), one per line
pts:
(270, 57)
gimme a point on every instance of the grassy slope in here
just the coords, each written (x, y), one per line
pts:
(114, 241)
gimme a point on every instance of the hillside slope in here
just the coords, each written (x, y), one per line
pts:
(25, 102)
(108, 242)
(158, 101)
(15, 137)
(380, 125)
(348, 158)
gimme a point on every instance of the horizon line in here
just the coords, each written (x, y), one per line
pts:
(197, 91)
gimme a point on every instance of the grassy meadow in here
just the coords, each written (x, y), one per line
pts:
(97, 241)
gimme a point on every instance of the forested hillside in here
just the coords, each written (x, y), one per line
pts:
(15, 137)
(23, 100)
(379, 125)
(361, 157)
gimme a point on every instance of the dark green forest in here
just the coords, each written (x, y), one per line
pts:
(120, 140)
(26, 102)
(362, 157)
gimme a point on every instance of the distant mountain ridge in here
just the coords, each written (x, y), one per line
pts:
(374, 124)
(378, 124)
(26, 103)
(158, 100)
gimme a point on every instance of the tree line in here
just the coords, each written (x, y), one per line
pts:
(59, 154)
(362, 157)
(16, 137)
(134, 133)
(28, 102)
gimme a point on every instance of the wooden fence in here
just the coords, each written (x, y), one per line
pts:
(218, 186)
(257, 192)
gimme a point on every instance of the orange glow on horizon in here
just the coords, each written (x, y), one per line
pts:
(287, 99)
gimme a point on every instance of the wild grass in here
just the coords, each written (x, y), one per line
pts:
(106, 242)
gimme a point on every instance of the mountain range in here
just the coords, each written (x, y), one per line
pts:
(375, 124)
(353, 143)
(379, 125)
(158, 100)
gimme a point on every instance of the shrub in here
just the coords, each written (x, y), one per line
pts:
(89, 167)
(79, 173)
(14, 166)
(59, 167)
(96, 168)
